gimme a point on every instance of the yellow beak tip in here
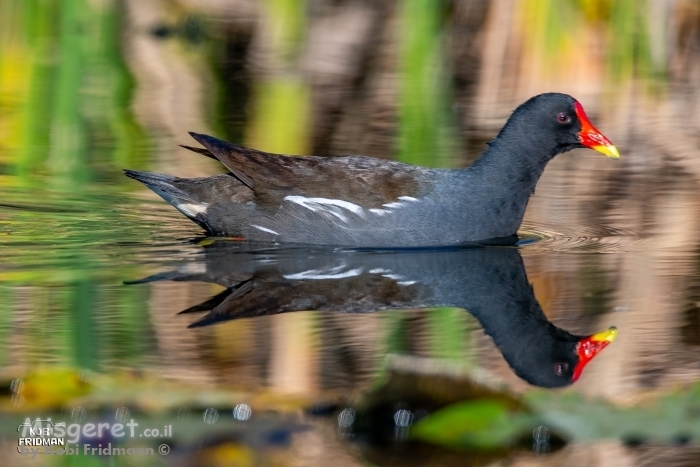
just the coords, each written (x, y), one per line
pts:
(608, 335)
(610, 151)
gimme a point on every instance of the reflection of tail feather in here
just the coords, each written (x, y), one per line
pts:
(230, 293)
(208, 304)
(175, 276)
(250, 299)
(162, 276)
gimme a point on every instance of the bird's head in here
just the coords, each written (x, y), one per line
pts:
(561, 117)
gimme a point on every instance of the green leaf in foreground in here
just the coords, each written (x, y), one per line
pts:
(480, 424)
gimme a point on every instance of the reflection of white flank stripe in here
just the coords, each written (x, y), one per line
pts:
(393, 205)
(195, 268)
(318, 274)
(406, 283)
(264, 229)
(326, 204)
(392, 276)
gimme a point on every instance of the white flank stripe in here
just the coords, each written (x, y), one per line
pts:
(339, 216)
(315, 204)
(408, 198)
(406, 283)
(264, 229)
(379, 212)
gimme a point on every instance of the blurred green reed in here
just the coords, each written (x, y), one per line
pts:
(426, 132)
(427, 137)
(73, 113)
(280, 119)
(626, 30)
(65, 92)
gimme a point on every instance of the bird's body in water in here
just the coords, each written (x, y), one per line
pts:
(360, 201)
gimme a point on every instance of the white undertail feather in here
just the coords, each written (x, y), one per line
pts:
(190, 209)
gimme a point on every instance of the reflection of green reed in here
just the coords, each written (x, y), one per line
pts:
(62, 274)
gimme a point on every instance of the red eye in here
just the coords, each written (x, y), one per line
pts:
(563, 117)
(560, 368)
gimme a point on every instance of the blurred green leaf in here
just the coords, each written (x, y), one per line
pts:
(480, 424)
(665, 418)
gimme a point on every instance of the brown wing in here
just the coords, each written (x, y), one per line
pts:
(365, 181)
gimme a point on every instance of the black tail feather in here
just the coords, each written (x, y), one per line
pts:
(202, 151)
(217, 146)
(162, 184)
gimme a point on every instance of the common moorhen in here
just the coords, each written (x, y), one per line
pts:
(490, 283)
(361, 201)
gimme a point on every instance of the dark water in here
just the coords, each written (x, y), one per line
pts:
(296, 356)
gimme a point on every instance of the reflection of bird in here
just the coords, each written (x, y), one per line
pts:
(367, 202)
(488, 282)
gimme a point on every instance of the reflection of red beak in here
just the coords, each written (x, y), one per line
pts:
(593, 138)
(590, 346)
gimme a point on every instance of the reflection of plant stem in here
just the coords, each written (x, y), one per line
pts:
(447, 333)
(6, 313)
(86, 343)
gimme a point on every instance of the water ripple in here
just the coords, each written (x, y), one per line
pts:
(588, 239)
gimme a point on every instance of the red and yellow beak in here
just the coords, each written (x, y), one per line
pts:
(590, 346)
(593, 138)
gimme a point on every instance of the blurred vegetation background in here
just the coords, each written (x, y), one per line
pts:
(88, 87)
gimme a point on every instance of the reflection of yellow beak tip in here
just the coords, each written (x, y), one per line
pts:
(610, 151)
(608, 335)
